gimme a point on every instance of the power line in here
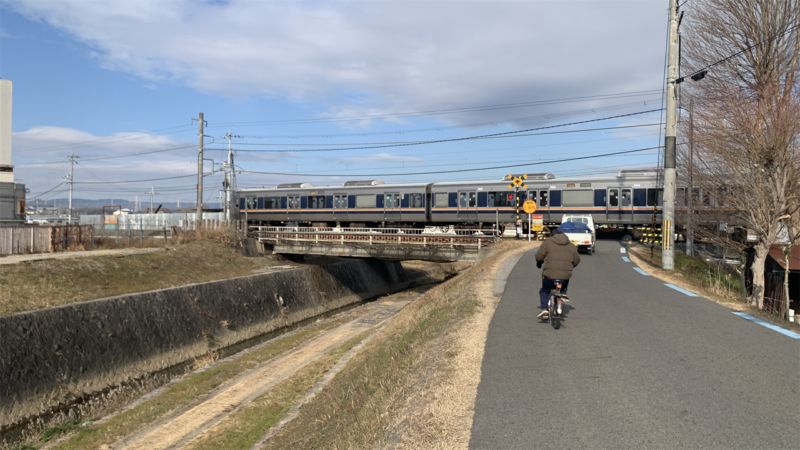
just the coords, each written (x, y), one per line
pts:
(438, 141)
(536, 163)
(714, 64)
(112, 157)
(471, 125)
(425, 141)
(439, 111)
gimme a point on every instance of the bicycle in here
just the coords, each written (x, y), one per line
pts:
(555, 305)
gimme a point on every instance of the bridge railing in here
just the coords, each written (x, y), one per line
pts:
(431, 236)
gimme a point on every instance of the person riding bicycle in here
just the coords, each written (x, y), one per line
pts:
(559, 256)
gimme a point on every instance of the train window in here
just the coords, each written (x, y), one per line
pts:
(462, 199)
(293, 202)
(499, 199)
(532, 195)
(415, 201)
(272, 203)
(340, 201)
(251, 203)
(626, 198)
(473, 199)
(542, 199)
(578, 198)
(613, 197)
(316, 202)
(440, 200)
(365, 201)
(655, 196)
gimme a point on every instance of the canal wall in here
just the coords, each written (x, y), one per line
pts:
(53, 357)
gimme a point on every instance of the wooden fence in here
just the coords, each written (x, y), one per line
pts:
(17, 240)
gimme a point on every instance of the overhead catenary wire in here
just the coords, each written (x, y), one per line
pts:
(434, 112)
(470, 125)
(439, 141)
(508, 166)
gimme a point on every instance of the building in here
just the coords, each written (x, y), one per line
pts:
(12, 195)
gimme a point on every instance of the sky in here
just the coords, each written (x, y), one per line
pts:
(326, 92)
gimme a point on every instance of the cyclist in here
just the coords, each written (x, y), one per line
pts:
(559, 257)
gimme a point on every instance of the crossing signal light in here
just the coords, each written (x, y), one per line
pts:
(510, 196)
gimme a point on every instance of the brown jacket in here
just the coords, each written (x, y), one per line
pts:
(559, 256)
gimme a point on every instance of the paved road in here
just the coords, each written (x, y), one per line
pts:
(635, 365)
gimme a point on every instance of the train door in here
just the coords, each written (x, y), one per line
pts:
(293, 207)
(340, 207)
(467, 206)
(620, 205)
(391, 206)
(542, 203)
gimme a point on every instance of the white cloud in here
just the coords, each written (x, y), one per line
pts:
(360, 56)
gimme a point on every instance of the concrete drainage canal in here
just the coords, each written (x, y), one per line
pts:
(56, 361)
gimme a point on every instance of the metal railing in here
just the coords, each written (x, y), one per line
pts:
(428, 237)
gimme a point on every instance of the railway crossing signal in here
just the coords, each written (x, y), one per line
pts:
(516, 183)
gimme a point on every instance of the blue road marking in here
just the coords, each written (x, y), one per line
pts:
(625, 258)
(780, 330)
(690, 294)
(641, 271)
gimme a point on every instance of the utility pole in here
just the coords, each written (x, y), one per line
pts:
(72, 160)
(228, 183)
(201, 122)
(152, 192)
(668, 224)
(690, 191)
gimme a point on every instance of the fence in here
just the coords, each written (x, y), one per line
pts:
(17, 240)
(185, 221)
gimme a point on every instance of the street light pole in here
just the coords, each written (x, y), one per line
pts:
(667, 226)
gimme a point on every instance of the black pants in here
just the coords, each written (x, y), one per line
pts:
(547, 286)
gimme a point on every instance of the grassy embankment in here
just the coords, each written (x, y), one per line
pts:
(353, 411)
(207, 256)
(720, 282)
(183, 393)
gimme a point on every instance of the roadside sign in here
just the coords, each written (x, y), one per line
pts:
(537, 222)
(529, 206)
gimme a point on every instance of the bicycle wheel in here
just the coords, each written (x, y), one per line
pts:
(555, 321)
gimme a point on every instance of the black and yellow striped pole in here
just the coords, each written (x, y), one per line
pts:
(516, 182)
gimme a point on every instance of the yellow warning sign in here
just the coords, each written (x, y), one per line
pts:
(529, 206)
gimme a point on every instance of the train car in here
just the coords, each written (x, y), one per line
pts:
(365, 203)
(630, 198)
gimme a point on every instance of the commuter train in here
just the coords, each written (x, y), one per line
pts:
(630, 198)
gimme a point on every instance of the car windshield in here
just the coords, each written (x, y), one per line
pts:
(578, 220)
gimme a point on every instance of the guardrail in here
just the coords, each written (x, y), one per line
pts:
(428, 237)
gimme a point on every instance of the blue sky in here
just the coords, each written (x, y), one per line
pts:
(107, 79)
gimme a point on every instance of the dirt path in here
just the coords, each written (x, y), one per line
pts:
(439, 410)
(15, 259)
(182, 428)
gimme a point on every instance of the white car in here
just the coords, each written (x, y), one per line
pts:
(584, 240)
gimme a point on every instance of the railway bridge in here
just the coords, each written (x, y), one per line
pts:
(439, 244)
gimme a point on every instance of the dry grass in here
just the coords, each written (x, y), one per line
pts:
(714, 280)
(246, 426)
(359, 408)
(41, 284)
(182, 393)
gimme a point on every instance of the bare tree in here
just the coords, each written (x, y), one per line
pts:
(747, 115)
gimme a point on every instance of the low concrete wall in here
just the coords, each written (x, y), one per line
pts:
(51, 357)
